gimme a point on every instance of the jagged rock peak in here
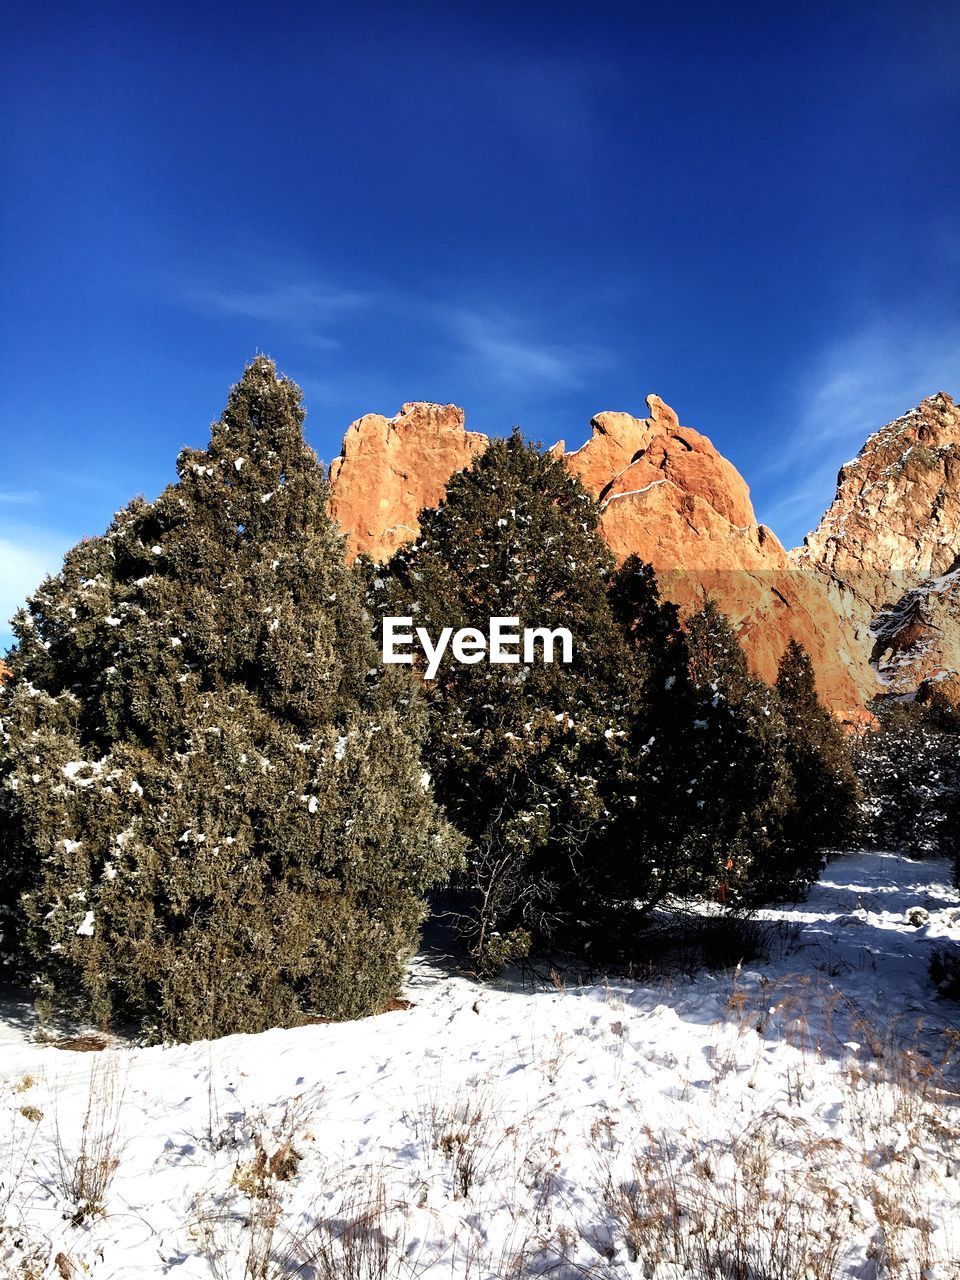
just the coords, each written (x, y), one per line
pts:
(660, 412)
(668, 495)
(626, 456)
(889, 546)
(897, 507)
(389, 469)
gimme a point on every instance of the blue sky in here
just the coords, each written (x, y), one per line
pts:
(536, 211)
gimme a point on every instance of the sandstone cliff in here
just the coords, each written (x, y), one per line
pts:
(389, 469)
(665, 493)
(888, 548)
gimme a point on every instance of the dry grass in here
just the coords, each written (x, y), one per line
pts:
(275, 1156)
(819, 1144)
(250, 1231)
(81, 1044)
(717, 1215)
(260, 1241)
(356, 1244)
(782, 1198)
(24, 1259)
(766, 1191)
(241, 1242)
(85, 1168)
(21, 1255)
(462, 1125)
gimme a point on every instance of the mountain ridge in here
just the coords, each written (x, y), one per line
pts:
(665, 493)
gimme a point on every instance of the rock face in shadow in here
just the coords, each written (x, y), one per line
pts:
(888, 548)
(665, 493)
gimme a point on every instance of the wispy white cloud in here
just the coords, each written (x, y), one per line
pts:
(308, 310)
(18, 497)
(514, 359)
(856, 386)
(480, 335)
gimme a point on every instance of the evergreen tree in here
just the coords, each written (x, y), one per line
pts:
(213, 815)
(826, 793)
(744, 785)
(530, 760)
(909, 771)
(658, 845)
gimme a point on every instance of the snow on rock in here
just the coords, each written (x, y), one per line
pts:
(493, 1132)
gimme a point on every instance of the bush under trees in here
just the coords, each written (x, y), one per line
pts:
(744, 783)
(213, 813)
(909, 770)
(672, 850)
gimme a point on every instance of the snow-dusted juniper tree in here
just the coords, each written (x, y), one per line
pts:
(774, 772)
(744, 784)
(659, 845)
(826, 794)
(530, 760)
(909, 769)
(213, 814)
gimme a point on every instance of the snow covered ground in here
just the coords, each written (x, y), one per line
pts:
(796, 1118)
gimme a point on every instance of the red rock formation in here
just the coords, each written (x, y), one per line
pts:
(665, 493)
(626, 455)
(391, 468)
(5, 672)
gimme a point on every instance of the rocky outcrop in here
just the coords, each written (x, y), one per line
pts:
(389, 469)
(941, 690)
(888, 549)
(626, 456)
(664, 492)
(5, 672)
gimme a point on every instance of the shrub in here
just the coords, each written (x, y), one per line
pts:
(774, 778)
(658, 846)
(909, 770)
(213, 816)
